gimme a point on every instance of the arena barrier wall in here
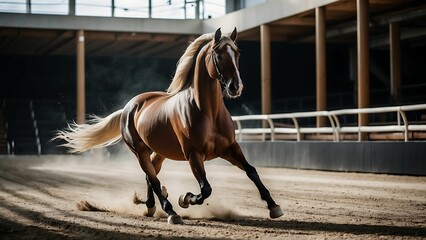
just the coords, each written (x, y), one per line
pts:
(407, 158)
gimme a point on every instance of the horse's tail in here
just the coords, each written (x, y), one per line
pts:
(97, 133)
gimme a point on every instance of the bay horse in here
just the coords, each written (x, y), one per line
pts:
(188, 122)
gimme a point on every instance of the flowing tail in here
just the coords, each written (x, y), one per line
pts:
(97, 133)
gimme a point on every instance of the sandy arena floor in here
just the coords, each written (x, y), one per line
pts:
(38, 198)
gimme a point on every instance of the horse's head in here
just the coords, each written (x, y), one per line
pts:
(223, 63)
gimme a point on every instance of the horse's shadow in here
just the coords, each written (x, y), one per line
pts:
(356, 229)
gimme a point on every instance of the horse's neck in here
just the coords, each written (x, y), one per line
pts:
(207, 91)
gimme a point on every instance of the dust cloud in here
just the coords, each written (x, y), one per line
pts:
(115, 194)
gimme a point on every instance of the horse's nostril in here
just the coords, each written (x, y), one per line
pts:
(233, 87)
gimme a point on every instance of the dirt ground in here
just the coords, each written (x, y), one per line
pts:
(38, 198)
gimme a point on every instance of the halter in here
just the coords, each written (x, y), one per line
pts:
(221, 77)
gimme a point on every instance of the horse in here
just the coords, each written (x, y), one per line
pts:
(188, 122)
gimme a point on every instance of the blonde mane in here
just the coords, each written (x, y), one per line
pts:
(185, 63)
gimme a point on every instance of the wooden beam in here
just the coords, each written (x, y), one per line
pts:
(349, 6)
(107, 36)
(152, 51)
(309, 13)
(172, 46)
(363, 62)
(9, 32)
(8, 42)
(81, 90)
(38, 33)
(139, 50)
(174, 52)
(321, 74)
(60, 47)
(292, 30)
(163, 38)
(350, 27)
(131, 36)
(134, 37)
(53, 43)
(133, 47)
(296, 21)
(395, 60)
(340, 16)
(100, 48)
(265, 66)
(250, 35)
(386, 2)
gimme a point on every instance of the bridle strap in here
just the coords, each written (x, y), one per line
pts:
(220, 75)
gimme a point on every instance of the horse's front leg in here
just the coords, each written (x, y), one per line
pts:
(235, 156)
(196, 161)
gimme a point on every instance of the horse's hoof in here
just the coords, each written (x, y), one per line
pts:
(150, 211)
(184, 200)
(164, 192)
(174, 219)
(276, 212)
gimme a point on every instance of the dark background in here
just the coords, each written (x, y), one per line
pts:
(112, 81)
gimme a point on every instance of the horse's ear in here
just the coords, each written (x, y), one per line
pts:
(217, 35)
(234, 34)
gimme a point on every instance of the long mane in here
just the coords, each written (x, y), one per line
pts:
(185, 63)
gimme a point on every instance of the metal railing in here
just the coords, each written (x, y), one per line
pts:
(335, 127)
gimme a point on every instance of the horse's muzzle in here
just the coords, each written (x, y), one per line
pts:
(234, 89)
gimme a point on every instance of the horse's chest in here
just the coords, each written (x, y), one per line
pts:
(211, 138)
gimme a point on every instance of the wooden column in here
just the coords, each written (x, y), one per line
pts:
(395, 60)
(81, 91)
(321, 74)
(363, 61)
(265, 67)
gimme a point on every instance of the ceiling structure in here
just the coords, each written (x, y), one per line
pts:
(62, 42)
(341, 21)
(30, 34)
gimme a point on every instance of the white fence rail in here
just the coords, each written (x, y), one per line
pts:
(335, 127)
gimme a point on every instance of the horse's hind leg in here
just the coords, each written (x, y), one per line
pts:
(157, 161)
(138, 147)
(235, 156)
(154, 183)
(150, 201)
